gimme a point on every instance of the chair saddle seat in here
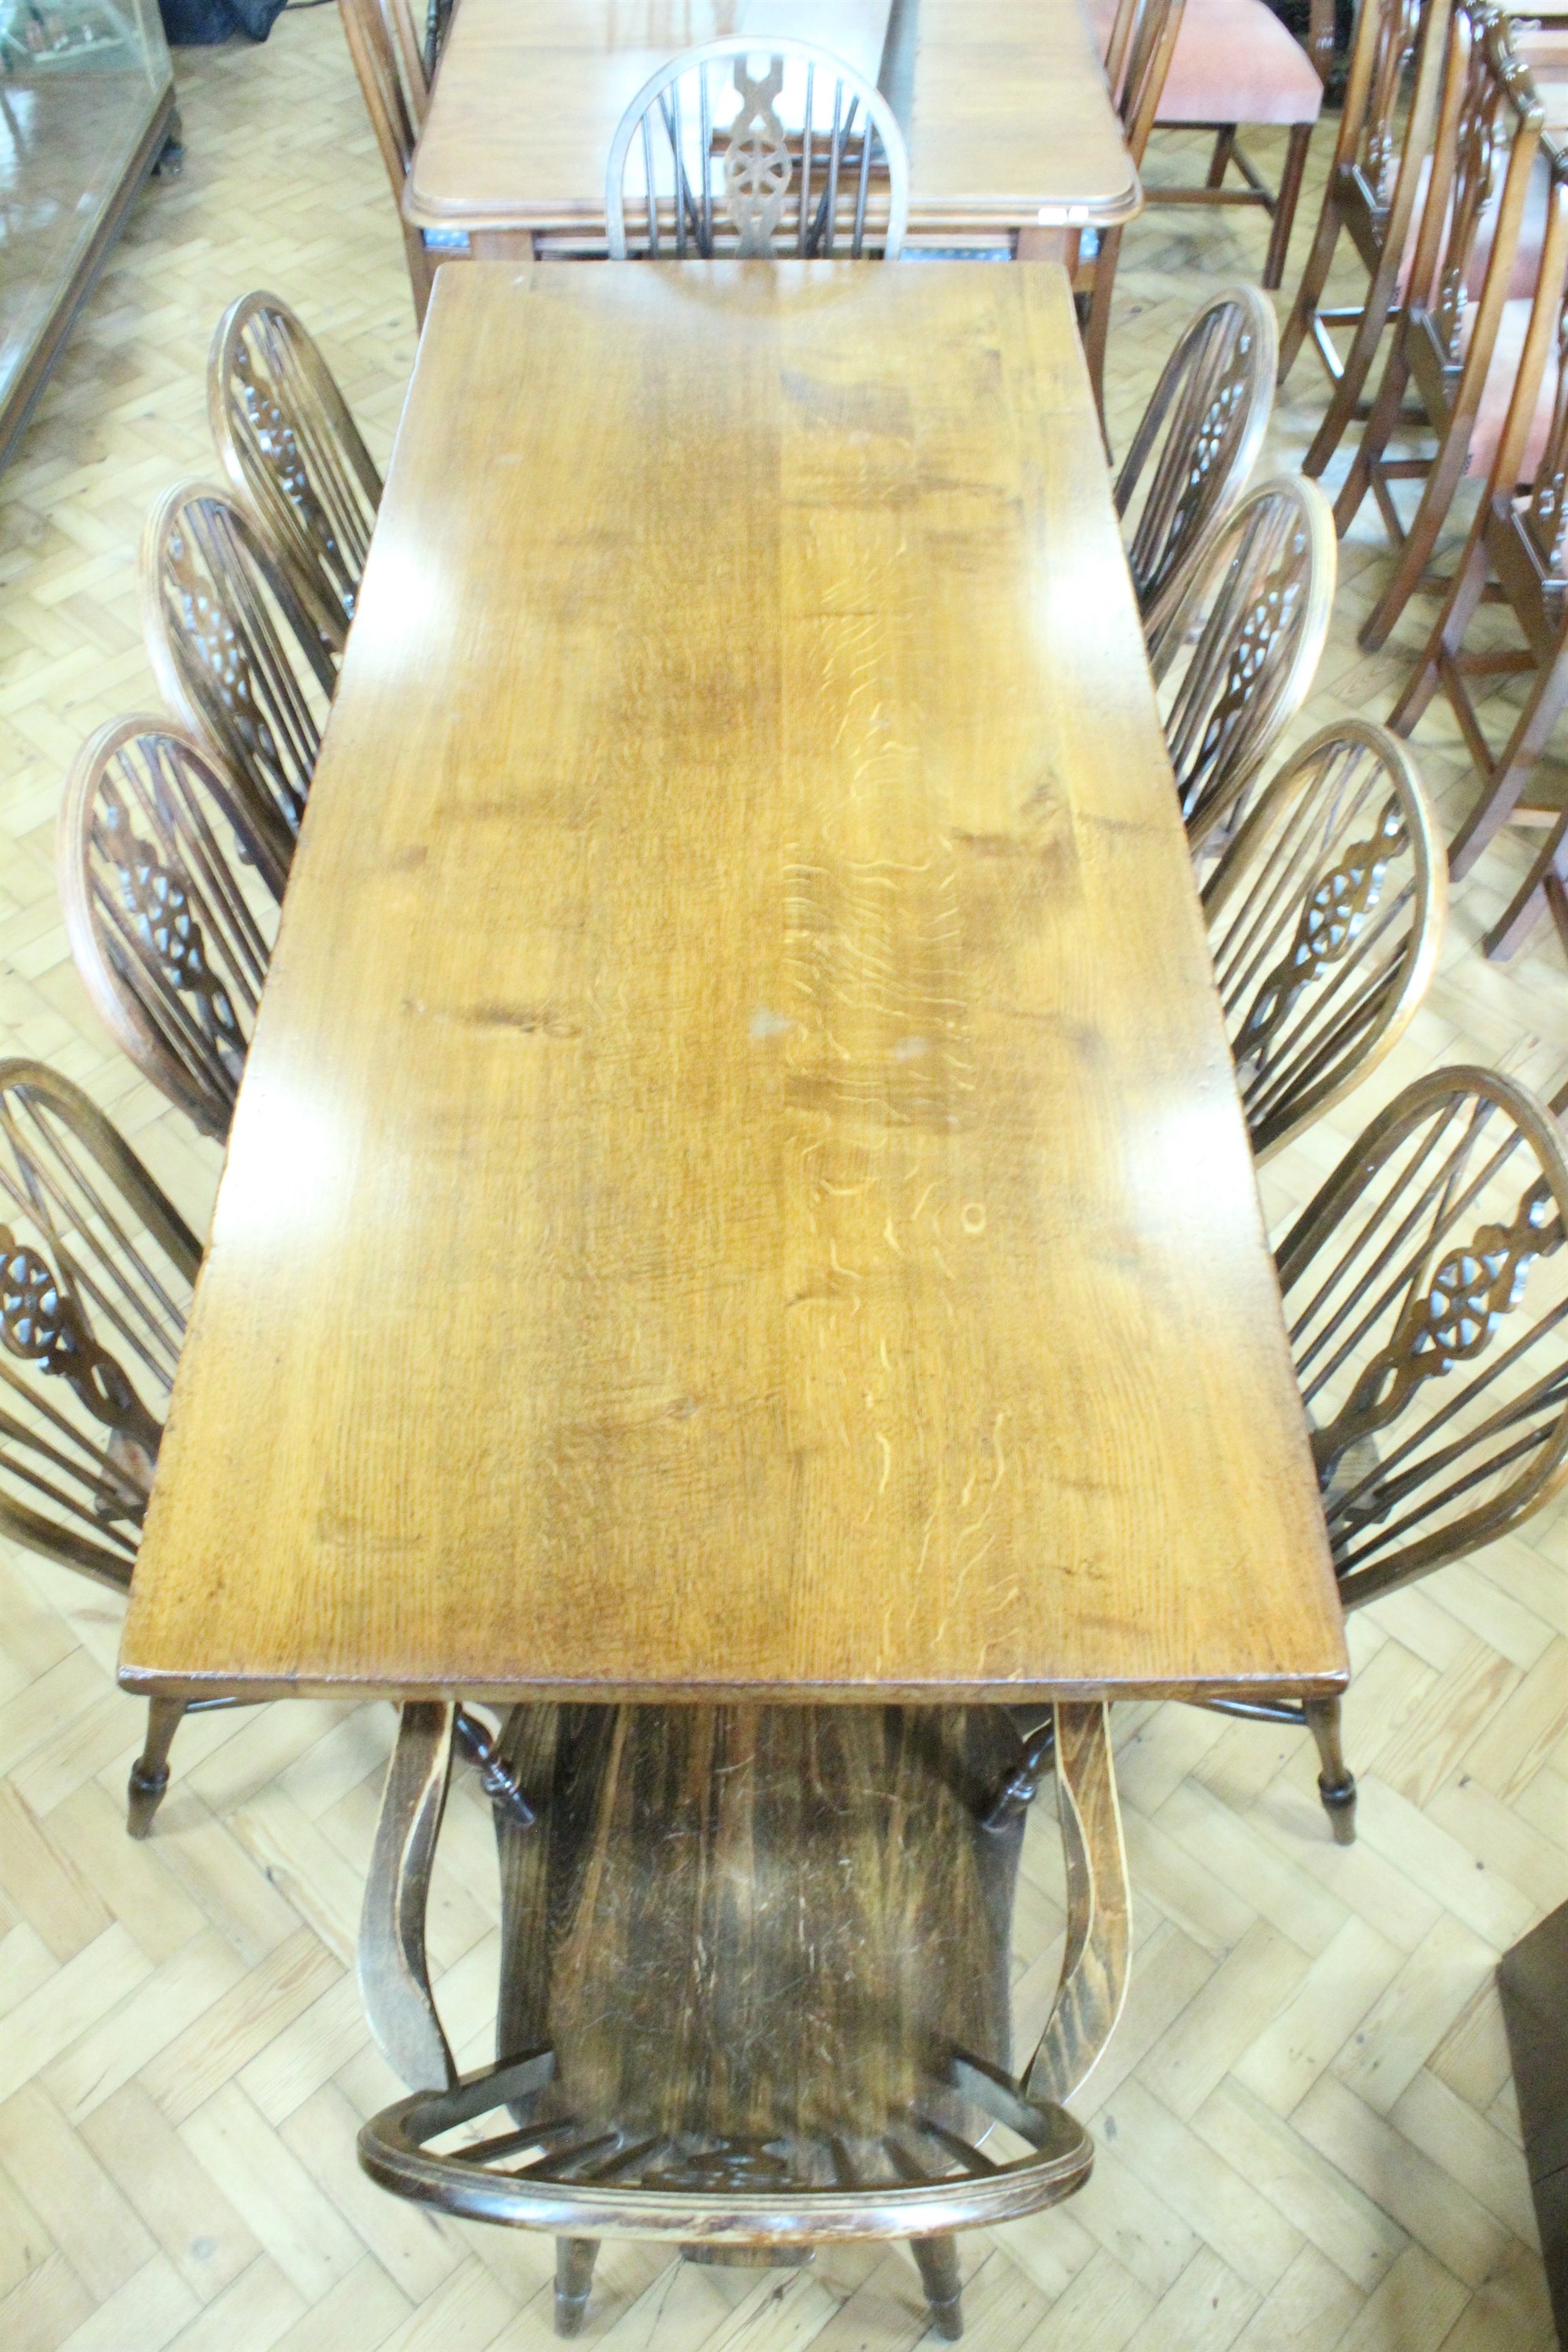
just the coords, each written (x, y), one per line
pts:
(757, 1961)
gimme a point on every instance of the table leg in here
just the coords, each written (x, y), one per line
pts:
(1041, 244)
(501, 244)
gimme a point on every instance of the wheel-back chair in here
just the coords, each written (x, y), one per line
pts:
(1325, 916)
(811, 161)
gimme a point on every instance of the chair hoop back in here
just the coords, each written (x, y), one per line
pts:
(287, 441)
(236, 654)
(1212, 405)
(96, 1271)
(1137, 59)
(170, 901)
(812, 159)
(1238, 657)
(1426, 1293)
(1325, 916)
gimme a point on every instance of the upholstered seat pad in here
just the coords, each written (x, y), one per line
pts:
(1233, 62)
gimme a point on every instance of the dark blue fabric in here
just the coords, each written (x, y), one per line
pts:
(196, 24)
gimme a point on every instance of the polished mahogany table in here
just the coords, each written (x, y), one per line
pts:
(1011, 132)
(739, 1192)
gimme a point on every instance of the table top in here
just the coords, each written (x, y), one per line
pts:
(739, 1186)
(1008, 119)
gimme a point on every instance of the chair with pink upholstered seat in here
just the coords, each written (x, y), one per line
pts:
(1235, 63)
(1137, 49)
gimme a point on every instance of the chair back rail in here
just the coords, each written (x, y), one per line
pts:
(96, 1272)
(1325, 916)
(170, 901)
(236, 651)
(812, 160)
(1425, 1290)
(1240, 654)
(1212, 405)
(287, 441)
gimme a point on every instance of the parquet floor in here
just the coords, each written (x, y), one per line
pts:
(1307, 2132)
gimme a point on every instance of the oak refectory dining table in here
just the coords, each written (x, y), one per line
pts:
(739, 1192)
(1011, 132)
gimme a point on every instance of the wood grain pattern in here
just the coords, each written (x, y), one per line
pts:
(739, 1187)
(1009, 120)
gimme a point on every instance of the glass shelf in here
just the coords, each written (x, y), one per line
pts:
(86, 103)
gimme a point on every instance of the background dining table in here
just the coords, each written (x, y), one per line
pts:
(1011, 132)
(738, 1191)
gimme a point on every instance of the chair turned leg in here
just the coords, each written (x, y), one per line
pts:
(1336, 1783)
(938, 2259)
(1285, 203)
(150, 1773)
(575, 2259)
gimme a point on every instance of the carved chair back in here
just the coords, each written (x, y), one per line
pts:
(236, 651)
(1484, 148)
(1426, 1293)
(1237, 658)
(170, 901)
(1325, 916)
(1212, 405)
(1370, 140)
(287, 443)
(811, 159)
(96, 1272)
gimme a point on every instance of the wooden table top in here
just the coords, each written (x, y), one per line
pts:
(1008, 122)
(739, 1186)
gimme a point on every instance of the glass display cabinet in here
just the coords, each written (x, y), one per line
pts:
(87, 106)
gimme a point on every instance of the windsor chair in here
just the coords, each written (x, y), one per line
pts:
(1425, 1291)
(812, 161)
(1325, 916)
(171, 942)
(1237, 658)
(237, 653)
(1194, 447)
(755, 1993)
(289, 444)
(95, 1287)
(1484, 150)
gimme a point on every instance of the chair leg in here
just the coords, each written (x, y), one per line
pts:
(1496, 804)
(1219, 162)
(1544, 891)
(1336, 1783)
(1097, 327)
(1415, 553)
(1286, 201)
(1314, 278)
(575, 2260)
(938, 2259)
(1374, 437)
(150, 1773)
(1447, 638)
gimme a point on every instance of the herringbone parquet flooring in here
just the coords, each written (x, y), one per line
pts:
(1307, 2132)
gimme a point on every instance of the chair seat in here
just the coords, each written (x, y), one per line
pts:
(1233, 62)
